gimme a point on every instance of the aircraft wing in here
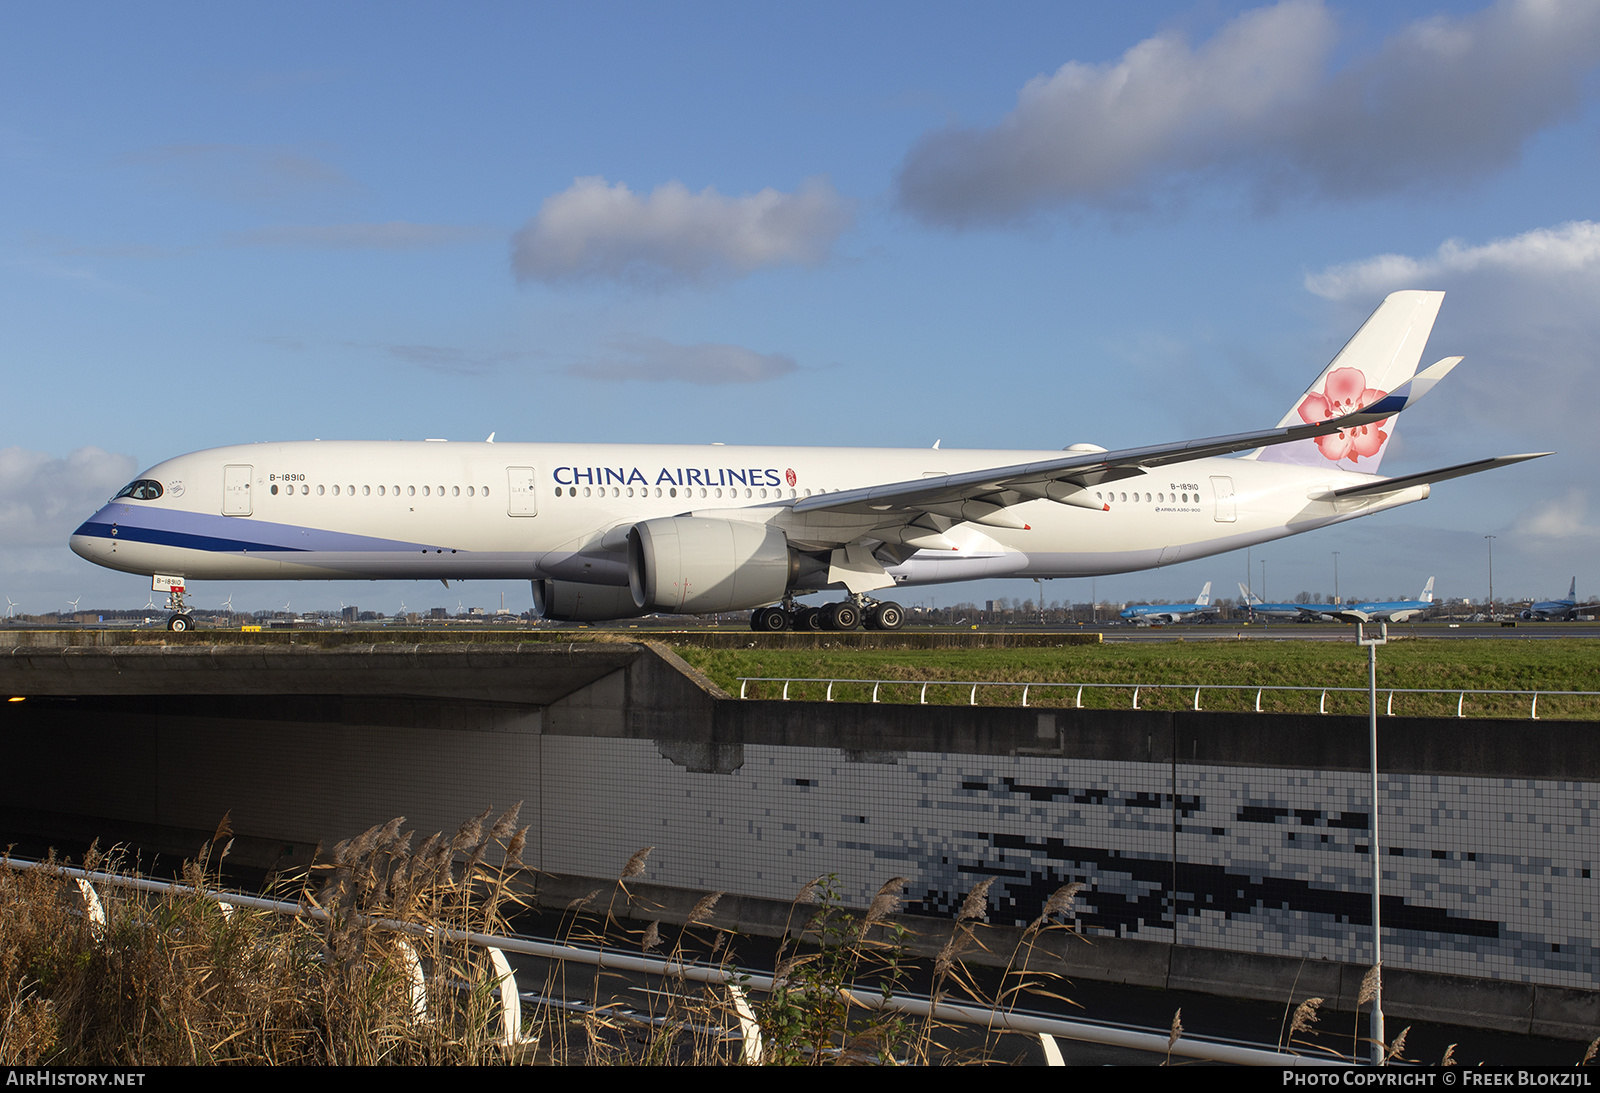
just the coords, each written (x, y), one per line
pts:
(982, 496)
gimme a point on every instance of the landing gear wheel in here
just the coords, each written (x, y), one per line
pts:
(808, 618)
(769, 620)
(841, 616)
(886, 616)
(180, 623)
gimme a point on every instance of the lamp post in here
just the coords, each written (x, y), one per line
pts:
(1490, 540)
(1336, 576)
(1364, 636)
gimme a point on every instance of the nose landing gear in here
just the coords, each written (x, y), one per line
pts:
(180, 621)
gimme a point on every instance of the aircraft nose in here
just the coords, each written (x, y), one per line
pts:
(88, 541)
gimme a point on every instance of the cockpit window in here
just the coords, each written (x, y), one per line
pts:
(145, 489)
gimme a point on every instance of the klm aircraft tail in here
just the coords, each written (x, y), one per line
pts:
(1204, 599)
(1249, 597)
(1427, 592)
(1383, 354)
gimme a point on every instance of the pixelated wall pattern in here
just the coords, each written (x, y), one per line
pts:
(1489, 877)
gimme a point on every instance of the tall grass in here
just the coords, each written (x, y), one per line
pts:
(375, 970)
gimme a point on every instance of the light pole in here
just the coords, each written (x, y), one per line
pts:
(1490, 540)
(1336, 576)
(1364, 636)
(1263, 580)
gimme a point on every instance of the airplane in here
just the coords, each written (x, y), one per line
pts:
(1289, 612)
(1390, 611)
(612, 531)
(1149, 613)
(1563, 610)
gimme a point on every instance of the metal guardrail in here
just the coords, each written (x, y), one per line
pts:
(737, 981)
(1138, 689)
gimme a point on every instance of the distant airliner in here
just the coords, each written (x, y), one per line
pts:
(608, 531)
(1148, 613)
(1289, 612)
(1564, 610)
(1389, 611)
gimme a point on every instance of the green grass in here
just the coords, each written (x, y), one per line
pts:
(1545, 665)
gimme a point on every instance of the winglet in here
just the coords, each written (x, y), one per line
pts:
(1409, 392)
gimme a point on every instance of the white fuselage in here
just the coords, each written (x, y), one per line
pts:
(435, 510)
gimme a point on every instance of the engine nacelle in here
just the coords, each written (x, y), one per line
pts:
(693, 566)
(574, 601)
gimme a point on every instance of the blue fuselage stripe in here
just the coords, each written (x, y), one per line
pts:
(127, 533)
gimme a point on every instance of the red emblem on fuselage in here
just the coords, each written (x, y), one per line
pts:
(790, 475)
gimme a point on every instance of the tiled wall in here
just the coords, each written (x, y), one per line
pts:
(1482, 876)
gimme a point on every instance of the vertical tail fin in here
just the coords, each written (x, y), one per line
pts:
(1572, 590)
(1381, 356)
(1427, 592)
(1249, 597)
(1204, 599)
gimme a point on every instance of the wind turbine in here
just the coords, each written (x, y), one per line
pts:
(74, 605)
(227, 604)
(11, 607)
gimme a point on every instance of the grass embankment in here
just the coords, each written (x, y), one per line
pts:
(1508, 665)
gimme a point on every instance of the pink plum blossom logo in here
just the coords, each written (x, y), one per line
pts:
(1345, 392)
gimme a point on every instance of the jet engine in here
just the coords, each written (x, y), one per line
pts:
(691, 565)
(574, 601)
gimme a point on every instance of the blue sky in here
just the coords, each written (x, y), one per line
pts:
(1017, 226)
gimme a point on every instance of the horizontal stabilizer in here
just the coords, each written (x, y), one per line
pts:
(1460, 470)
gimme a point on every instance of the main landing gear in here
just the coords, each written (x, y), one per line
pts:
(843, 615)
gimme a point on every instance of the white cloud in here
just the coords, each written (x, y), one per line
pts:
(1559, 519)
(1544, 252)
(658, 361)
(393, 235)
(1443, 101)
(43, 498)
(594, 229)
(1525, 310)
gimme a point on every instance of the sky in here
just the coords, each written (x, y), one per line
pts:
(1013, 226)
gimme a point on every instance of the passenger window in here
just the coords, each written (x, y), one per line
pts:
(471, 492)
(455, 491)
(274, 490)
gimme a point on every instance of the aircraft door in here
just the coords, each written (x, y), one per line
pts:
(522, 500)
(1222, 490)
(236, 490)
